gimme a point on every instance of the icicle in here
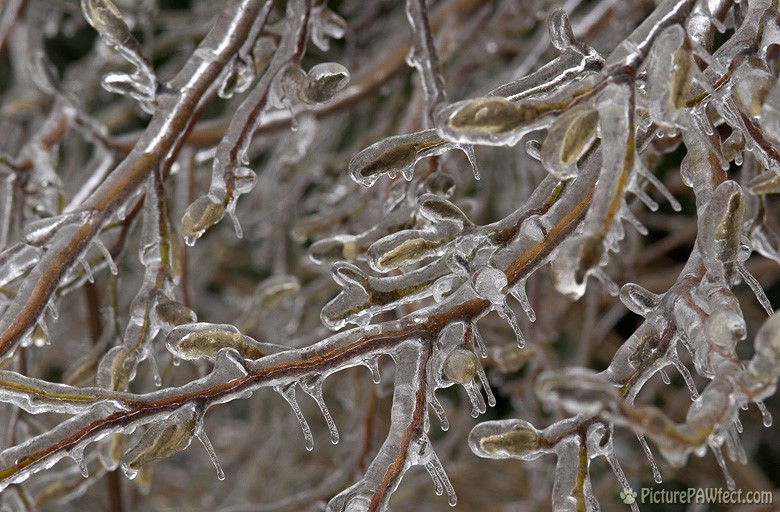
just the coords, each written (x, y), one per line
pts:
(758, 290)
(288, 393)
(372, 364)
(730, 484)
(491, 284)
(664, 376)
(519, 293)
(479, 343)
(87, 269)
(440, 479)
(106, 255)
(629, 216)
(614, 463)
(477, 402)
(766, 416)
(491, 400)
(468, 150)
(313, 387)
(607, 282)
(686, 375)
(77, 454)
(650, 458)
(439, 411)
(200, 434)
(156, 377)
(52, 308)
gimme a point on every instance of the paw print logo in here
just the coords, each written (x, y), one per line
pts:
(628, 495)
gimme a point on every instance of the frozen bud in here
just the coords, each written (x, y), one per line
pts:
(203, 213)
(439, 210)
(323, 81)
(41, 231)
(325, 25)
(440, 184)
(381, 158)
(460, 365)
(331, 250)
(352, 304)
(171, 313)
(244, 179)
(765, 183)
(490, 283)
(681, 77)
(638, 299)
(399, 249)
(720, 227)
(576, 258)
(161, 440)
(750, 89)
(567, 141)
(110, 450)
(506, 439)
(205, 340)
(725, 328)
(272, 291)
(487, 118)
(104, 17)
(577, 390)
(117, 368)
(766, 362)
(561, 34)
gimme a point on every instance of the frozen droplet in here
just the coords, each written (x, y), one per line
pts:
(288, 393)
(664, 377)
